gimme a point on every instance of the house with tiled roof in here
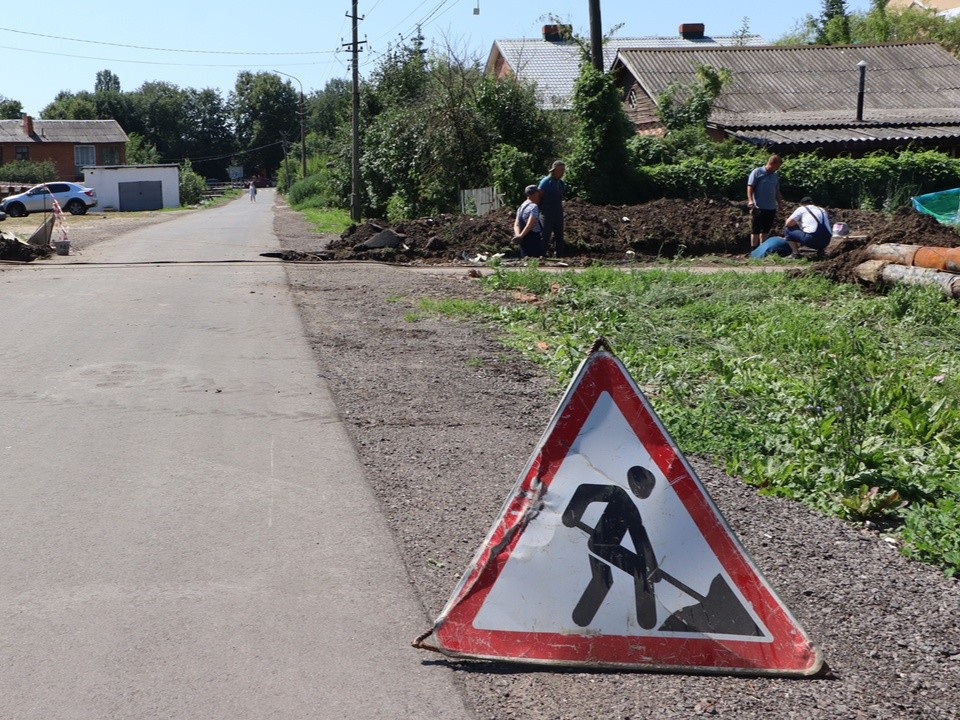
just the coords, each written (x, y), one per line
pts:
(552, 62)
(69, 144)
(947, 8)
(835, 98)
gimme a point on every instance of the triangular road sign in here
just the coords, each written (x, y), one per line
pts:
(611, 553)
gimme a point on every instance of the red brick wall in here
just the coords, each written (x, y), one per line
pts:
(61, 154)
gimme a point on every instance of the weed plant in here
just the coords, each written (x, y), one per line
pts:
(807, 389)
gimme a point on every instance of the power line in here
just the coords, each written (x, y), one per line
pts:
(162, 63)
(158, 49)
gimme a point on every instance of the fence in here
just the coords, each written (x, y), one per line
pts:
(479, 201)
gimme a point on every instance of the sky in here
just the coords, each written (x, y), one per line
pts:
(205, 44)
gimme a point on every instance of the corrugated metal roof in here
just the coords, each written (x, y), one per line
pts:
(847, 137)
(793, 86)
(554, 66)
(63, 131)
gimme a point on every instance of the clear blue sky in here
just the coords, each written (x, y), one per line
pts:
(205, 44)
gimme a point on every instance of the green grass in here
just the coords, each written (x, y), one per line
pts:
(806, 389)
(326, 220)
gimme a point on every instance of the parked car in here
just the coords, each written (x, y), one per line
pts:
(75, 199)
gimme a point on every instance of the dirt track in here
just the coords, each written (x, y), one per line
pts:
(444, 419)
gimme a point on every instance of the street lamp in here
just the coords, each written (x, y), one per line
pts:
(303, 138)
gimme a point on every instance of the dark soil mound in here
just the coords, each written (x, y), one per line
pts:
(620, 233)
(13, 249)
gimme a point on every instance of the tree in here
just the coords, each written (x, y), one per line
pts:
(265, 115)
(834, 25)
(140, 152)
(598, 167)
(106, 82)
(694, 109)
(71, 106)
(10, 109)
(209, 138)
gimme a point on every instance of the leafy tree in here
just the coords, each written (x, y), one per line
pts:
(71, 106)
(598, 166)
(265, 113)
(207, 131)
(10, 109)
(834, 25)
(106, 82)
(160, 108)
(140, 152)
(694, 110)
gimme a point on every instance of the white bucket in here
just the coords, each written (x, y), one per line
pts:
(63, 247)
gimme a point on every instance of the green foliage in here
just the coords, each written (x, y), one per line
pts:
(140, 152)
(684, 106)
(265, 117)
(28, 172)
(322, 188)
(10, 109)
(880, 181)
(598, 168)
(192, 185)
(512, 171)
(806, 389)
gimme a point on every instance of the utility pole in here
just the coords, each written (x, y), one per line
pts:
(355, 161)
(596, 36)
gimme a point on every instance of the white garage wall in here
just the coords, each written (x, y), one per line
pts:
(106, 179)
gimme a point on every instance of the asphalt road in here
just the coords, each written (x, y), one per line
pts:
(186, 531)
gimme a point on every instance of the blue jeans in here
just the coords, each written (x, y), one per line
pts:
(772, 246)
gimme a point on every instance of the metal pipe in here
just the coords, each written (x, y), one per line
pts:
(863, 77)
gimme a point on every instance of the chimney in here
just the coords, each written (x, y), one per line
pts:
(557, 33)
(28, 124)
(692, 31)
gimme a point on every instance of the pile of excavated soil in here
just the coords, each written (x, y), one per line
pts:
(12, 249)
(621, 233)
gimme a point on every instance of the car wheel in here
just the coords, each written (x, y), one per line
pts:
(76, 207)
(16, 210)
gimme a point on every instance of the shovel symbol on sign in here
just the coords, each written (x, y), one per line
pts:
(719, 611)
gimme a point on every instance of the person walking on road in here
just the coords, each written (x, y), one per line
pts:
(764, 199)
(253, 190)
(553, 191)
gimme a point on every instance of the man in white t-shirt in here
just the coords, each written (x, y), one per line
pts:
(809, 226)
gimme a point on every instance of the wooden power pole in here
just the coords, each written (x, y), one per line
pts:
(355, 160)
(596, 36)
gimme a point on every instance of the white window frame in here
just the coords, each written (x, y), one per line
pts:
(81, 162)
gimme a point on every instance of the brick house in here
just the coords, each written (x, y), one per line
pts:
(70, 144)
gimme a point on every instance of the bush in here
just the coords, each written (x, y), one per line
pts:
(512, 172)
(192, 185)
(880, 181)
(28, 172)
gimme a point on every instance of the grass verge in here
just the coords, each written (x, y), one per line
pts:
(807, 389)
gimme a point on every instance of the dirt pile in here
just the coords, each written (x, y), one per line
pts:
(12, 249)
(624, 233)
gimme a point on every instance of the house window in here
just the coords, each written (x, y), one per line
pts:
(22, 152)
(110, 155)
(84, 155)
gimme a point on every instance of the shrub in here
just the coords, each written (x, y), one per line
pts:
(28, 172)
(192, 185)
(512, 172)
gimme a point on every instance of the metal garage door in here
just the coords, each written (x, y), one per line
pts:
(144, 195)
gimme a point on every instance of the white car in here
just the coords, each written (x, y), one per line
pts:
(75, 199)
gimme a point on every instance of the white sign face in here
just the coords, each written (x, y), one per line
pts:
(609, 552)
(552, 568)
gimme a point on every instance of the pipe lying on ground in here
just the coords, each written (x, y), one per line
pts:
(935, 258)
(887, 273)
